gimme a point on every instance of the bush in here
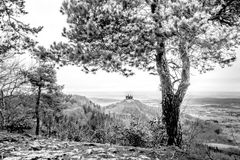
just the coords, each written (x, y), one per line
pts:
(18, 119)
(18, 126)
(136, 134)
(113, 131)
(158, 132)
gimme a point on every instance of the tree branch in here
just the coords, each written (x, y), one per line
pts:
(163, 68)
(185, 75)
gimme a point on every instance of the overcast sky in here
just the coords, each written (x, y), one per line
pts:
(46, 13)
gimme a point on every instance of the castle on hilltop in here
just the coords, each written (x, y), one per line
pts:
(129, 96)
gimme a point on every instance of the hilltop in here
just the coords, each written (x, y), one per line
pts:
(125, 110)
(129, 108)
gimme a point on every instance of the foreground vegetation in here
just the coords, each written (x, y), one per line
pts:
(77, 121)
(25, 146)
(15, 146)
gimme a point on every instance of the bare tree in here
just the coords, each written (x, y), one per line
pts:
(11, 83)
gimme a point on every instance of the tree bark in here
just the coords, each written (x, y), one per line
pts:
(2, 110)
(171, 101)
(171, 110)
(37, 111)
(50, 126)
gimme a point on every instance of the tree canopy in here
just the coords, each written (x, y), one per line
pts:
(16, 36)
(115, 35)
(228, 13)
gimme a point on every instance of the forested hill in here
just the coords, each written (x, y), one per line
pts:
(80, 107)
(77, 105)
(79, 100)
(132, 108)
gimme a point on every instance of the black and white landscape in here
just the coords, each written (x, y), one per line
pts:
(119, 79)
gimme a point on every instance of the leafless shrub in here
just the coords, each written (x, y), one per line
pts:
(11, 83)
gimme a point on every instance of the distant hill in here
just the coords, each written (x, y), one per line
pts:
(129, 108)
(80, 107)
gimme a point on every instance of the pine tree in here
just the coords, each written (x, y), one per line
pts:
(228, 12)
(164, 37)
(42, 79)
(16, 36)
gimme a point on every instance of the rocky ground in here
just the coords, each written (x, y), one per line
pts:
(26, 147)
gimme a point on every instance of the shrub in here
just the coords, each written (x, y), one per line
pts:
(18, 119)
(158, 132)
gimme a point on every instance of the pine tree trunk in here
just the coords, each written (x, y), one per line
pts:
(37, 111)
(171, 100)
(171, 111)
(1, 120)
(50, 127)
(2, 110)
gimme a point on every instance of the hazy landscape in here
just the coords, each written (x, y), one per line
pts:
(154, 97)
(218, 110)
(222, 108)
(211, 121)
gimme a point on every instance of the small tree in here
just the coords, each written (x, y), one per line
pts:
(42, 79)
(163, 37)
